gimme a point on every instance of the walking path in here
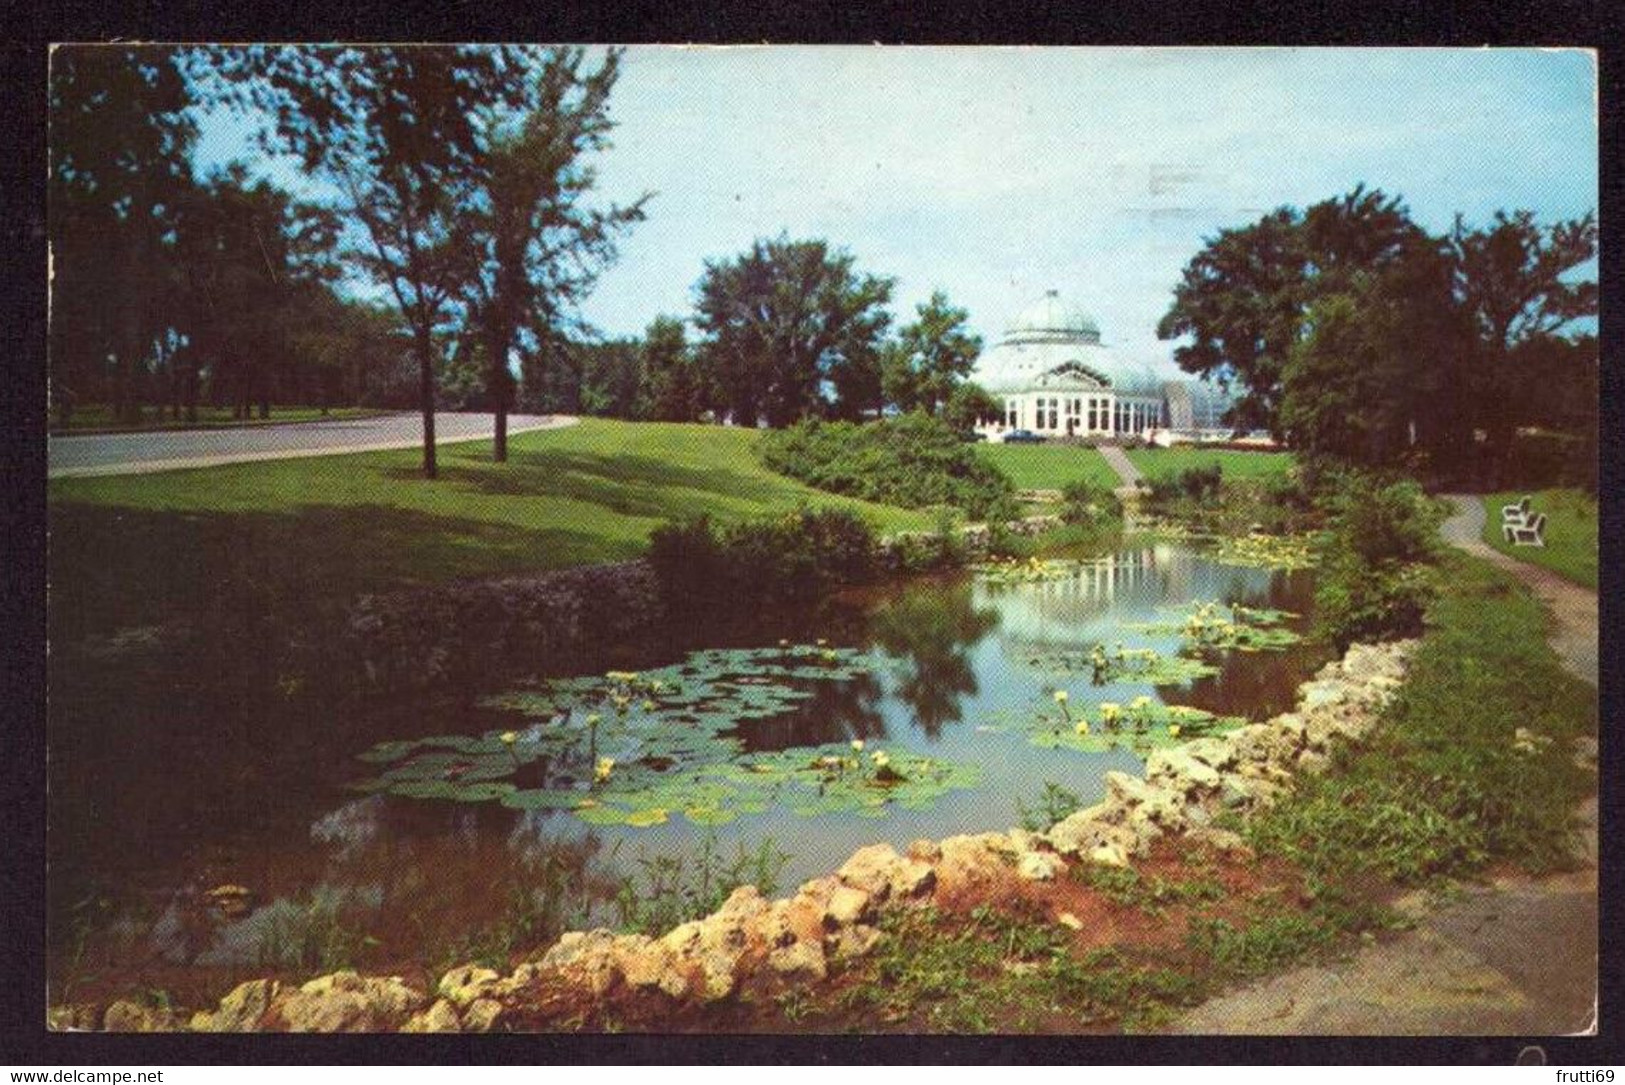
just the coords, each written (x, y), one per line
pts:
(1515, 957)
(1121, 464)
(75, 456)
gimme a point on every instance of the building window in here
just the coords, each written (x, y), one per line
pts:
(1012, 415)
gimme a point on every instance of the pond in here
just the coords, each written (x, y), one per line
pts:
(234, 841)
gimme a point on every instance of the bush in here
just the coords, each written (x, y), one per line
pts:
(1375, 581)
(913, 461)
(797, 556)
(1088, 504)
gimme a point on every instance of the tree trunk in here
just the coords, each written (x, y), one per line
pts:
(426, 400)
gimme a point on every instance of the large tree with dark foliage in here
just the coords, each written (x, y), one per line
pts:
(396, 132)
(120, 132)
(792, 330)
(930, 357)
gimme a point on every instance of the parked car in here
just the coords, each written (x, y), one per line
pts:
(1022, 437)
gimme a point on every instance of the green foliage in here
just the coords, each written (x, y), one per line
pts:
(1054, 804)
(787, 320)
(913, 461)
(1444, 786)
(308, 530)
(1153, 894)
(1375, 582)
(319, 932)
(968, 405)
(1191, 483)
(671, 890)
(795, 556)
(1088, 504)
(922, 369)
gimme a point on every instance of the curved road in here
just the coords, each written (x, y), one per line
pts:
(144, 453)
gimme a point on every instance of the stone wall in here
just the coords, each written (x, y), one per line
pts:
(773, 945)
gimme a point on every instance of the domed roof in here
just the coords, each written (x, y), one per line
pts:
(1052, 318)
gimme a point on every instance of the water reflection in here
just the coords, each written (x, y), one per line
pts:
(209, 785)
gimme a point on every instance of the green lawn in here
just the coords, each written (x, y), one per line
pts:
(1571, 532)
(134, 549)
(1049, 467)
(98, 417)
(1159, 462)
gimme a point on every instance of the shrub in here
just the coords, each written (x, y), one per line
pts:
(1375, 581)
(796, 556)
(913, 461)
(1088, 504)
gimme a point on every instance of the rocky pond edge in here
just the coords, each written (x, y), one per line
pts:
(752, 943)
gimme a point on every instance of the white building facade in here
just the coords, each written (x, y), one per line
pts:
(1054, 377)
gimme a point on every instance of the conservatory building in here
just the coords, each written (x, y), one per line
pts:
(1054, 377)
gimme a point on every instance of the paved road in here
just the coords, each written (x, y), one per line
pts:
(1517, 957)
(144, 453)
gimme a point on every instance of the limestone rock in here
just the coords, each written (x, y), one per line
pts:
(242, 1010)
(127, 1016)
(1222, 841)
(854, 941)
(1215, 752)
(347, 1002)
(847, 905)
(879, 871)
(799, 961)
(1176, 765)
(465, 983)
(440, 1017)
(1109, 855)
(482, 1015)
(1039, 866)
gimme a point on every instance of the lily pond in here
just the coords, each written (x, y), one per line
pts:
(476, 826)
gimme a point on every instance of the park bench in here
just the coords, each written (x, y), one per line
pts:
(1529, 532)
(1515, 514)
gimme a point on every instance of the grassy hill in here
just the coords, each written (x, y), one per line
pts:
(134, 549)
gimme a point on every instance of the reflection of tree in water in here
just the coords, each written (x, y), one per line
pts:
(836, 712)
(931, 631)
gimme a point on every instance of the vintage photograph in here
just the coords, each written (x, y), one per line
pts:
(822, 539)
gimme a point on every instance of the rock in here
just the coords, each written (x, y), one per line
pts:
(799, 919)
(78, 1017)
(1069, 921)
(1313, 763)
(1088, 829)
(482, 1015)
(642, 961)
(870, 870)
(127, 1016)
(798, 961)
(925, 851)
(242, 1010)
(1185, 772)
(1039, 866)
(1325, 692)
(1214, 752)
(1108, 855)
(440, 1017)
(717, 975)
(465, 983)
(847, 905)
(973, 862)
(1244, 793)
(347, 1002)
(854, 941)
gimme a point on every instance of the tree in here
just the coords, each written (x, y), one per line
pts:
(792, 331)
(120, 133)
(969, 405)
(1514, 279)
(397, 132)
(670, 388)
(1244, 299)
(534, 249)
(930, 357)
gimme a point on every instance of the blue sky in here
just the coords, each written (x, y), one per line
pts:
(995, 174)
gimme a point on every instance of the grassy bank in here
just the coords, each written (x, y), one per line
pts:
(1049, 467)
(137, 549)
(98, 418)
(1473, 763)
(1163, 462)
(1571, 532)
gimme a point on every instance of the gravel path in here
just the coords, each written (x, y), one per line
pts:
(144, 453)
(1515, 957)
(1121, 464)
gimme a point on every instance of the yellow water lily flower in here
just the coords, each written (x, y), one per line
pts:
(857, 744)
(1061, 696)
(880, 759)
(509, 737)
(1110, 710)
(1082, 727)
(594, 720)
(1173, 730)
(602, 770)
(1142, 701)
(648, 706)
